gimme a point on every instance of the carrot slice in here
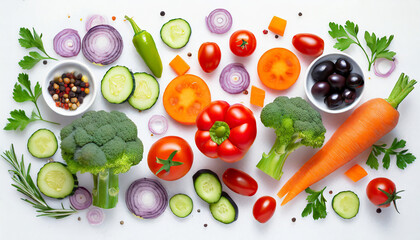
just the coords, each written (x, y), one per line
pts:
(277, 25)
(185, 97)
(356, 173)
(179, 65)
(257, 96)
(278, 68)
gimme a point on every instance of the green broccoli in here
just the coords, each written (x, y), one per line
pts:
(105, 145)
(296, 124)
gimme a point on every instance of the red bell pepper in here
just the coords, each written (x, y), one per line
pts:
(225, 131)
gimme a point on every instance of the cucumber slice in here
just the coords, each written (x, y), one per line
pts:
(225, 210)
(146, 91)
(207, 185)
(346, 204)
(117, 85)
(42, 144)
(176, 33)
(181, 205)
(56, 181)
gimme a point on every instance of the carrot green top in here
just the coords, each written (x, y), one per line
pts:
(401, 89)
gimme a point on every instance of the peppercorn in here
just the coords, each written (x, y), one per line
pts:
(77, 83)
(78, 90)
(73, 100)
(74, 89)
(82, 84)
(87, 85)
(85, 79)
(72, 94)
(64, 75)
(62, 88)
(80, 99)
(67, 100)
(66, 80)
(72, 80)
(60, 80)
(73, 106)
(55, 97)
(87, 90)
(56, 86)
(79, 76)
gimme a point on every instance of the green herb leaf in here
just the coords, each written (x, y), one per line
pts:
(337, 31)
(372, 161)
(18, 119)
(403, 157)
(386, 160)
(28, 62)
(316, 204)
(352, 28)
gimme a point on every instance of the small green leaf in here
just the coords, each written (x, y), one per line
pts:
(351, 28)
(372, 161)
(21, 95)
(316, 204)
(37, 91)
(28, 62)
(386, 54)
(27, 39)
(17, 120)
(386, 161)
(343, 43)
(337, 31)
(307, 210)
(404, 159)
(397, 144)
(370, 41)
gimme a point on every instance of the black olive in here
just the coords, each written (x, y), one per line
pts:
(334, 100)
(354, 80)
(343, 67)
(322, 70)
(321, 89)
(337, 81)
(349, 95)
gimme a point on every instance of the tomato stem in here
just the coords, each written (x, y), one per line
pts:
(168, 163)
(392, 197)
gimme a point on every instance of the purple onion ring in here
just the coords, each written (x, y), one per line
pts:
(95, 20)
(219, 21)
(106, 52)
(95, 216)
(67, 43)
(81, 198)
(234, 78)
(376, 69)
(158, 124)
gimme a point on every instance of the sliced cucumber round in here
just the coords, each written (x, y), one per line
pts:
(117, 85)
(181, 205)
(346, 204)
(56, 181)
(146, 91)
(207, 185)
(176, 33)
(225, 210)
(42, 144)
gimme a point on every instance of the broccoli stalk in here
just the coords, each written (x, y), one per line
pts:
(105, 145)
(296, 124)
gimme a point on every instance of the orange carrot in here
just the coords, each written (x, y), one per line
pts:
(277, 25)
(365, 126)
(257, 96)
(356, 173)
(179, 65)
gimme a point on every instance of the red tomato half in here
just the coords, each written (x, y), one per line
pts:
(264, 209)
(160, 156)
(209, 56)
(308, 44)
(242, 43)
(240, 182)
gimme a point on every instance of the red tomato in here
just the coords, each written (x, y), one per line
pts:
(240, 182)
(163, 164)
(242, 43)
(308, 44)
(209, 56)
(264, 209)
(377, 197)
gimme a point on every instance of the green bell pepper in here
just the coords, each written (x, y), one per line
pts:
(146, 47)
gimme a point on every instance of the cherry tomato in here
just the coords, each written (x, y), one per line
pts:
(308, 44)
(242, 43)
(240, 182)
(170, 158)
(377, 197)
(209, 56)
(264, 209)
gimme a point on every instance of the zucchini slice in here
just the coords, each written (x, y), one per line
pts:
(225, 210)
(346, 204)
(117, 85)
(207, 185)
(146, 91)
(181, 205)
(56, 181)
(42, 144)
(176, 33)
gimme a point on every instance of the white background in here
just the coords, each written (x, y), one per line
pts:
(385, 17)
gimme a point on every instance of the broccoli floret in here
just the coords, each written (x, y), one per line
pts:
(296, 124)
(105, 145)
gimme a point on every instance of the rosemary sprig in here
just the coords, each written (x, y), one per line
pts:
(25, 185)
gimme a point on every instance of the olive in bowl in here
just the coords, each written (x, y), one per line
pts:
(334, 83)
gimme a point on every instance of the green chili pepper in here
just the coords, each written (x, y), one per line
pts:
(146, 47)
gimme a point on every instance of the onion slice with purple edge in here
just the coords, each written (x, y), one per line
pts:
(234, 78)
(95, 20)
(81, 198)
(219, 21)
(102, 45)
(391, 69)
(158, 124)
(67, 43)
(95, 216)
(146, 198)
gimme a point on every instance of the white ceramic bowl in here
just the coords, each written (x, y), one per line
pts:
(319, 102)
(65, 67)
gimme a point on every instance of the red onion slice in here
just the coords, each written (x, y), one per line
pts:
(95, 216)
(219, 21)
(376, 68)
(234, 78)
(146, 198)
(95, 20)
(102, 45)
(67, 43)
(158, 124)
(81, 198)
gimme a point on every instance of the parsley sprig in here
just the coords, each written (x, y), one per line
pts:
(403, 157)
(32, 40)
(25, 185)
(23, 92)
(347, 35)
(316, 204)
